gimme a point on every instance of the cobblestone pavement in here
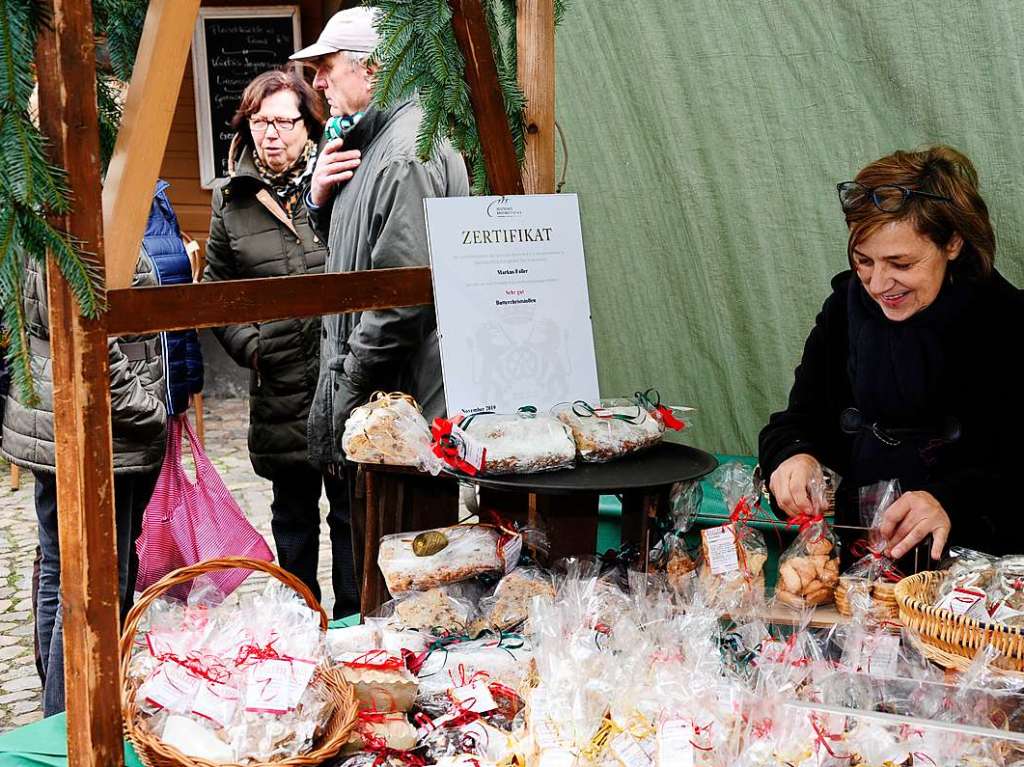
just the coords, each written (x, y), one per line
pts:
(226, 425)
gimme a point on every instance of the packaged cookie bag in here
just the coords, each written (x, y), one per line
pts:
(610, 429)
(523, 442)
(672, 555)
(389, 429)
(733, 555)
(809, 568)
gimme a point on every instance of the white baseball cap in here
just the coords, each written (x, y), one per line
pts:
(350, 30)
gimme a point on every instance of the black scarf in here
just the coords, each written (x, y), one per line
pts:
(901, 375)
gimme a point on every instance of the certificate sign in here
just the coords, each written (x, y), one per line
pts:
(513, 310)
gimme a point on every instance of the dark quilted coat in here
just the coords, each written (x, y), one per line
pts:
(183, 359)
(252, 236)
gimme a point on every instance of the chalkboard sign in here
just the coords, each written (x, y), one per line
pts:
(229, 48)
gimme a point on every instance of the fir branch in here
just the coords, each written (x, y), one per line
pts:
(418, 54)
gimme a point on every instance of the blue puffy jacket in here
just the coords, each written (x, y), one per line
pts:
(182, 355)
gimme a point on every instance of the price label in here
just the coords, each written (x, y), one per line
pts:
(473, 451)
(720, 543)
(510, 552)
(627, 750)
(216, 702)
(675, 744)
(880, 654)
(966, 601)
(275, 686)
(557, 757)
(544, 735)
(171, 687)
(474, 697)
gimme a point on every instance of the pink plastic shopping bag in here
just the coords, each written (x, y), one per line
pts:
(187, 522)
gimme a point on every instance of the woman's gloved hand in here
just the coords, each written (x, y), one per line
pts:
(910, 519)
(790, 484)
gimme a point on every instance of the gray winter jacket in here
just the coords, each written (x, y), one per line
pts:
(376, 221)
(251, 235)
(138, 415)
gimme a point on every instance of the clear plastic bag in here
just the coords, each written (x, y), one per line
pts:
(672, 555)
(509, 606)
(423, 560)
(868, 586)
(809, 567)
(442, 610)
(733, 556)
(390, 429)
(521, 443)
(611, 429)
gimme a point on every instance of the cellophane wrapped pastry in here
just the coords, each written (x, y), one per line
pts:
(610, 429)
(672, 555)
(448, 609)
(390, 429)
(733, 555)
(520, 443)
(509, 606)
(234, 682)
(423, 560)
(809, 567)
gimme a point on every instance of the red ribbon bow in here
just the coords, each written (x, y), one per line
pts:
(380, 747)
(447, 447)
(887, 568)
(375, 659)
(824, 738)
(669, 418)
(804, 521)
(213, 670)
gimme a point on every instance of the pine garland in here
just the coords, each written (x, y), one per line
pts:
(33, 189)
(418, 54)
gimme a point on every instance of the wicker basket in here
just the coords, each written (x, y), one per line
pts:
(154, 753)
(953, 640)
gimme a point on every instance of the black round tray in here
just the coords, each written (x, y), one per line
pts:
(664, 464)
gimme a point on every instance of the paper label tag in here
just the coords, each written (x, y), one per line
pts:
(510, 552)
(675, 746)
(1003, 612)
(965, 601)
(880, 654)
(544, 735)
(557, 757)
(216, 702)
(473, 451)
(275, 686)
(627, 750)
(170, 687)
(474, 697)
(720, 543)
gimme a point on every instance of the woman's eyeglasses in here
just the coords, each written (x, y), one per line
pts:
(887, 197)
(281, 124)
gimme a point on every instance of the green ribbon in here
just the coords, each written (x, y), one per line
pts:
(585, 410)
(526, 410)
(649, 400)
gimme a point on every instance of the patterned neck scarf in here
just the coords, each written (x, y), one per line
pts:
(287, 184)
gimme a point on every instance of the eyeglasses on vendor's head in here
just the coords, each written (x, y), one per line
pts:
(889, 198)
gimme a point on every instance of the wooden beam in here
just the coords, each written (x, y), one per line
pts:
(66, 65)
(535, 32)
(210, 304)
(474, 40)
(149, 108)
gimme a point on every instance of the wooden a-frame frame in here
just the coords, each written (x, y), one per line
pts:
(113, 232)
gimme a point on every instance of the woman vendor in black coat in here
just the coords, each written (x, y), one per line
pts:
(910, 369)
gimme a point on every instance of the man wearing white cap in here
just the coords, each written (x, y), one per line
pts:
(372, 218)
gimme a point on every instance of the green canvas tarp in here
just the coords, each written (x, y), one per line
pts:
(705, 141)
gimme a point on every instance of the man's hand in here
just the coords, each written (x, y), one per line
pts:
(789, 484)
(333, 166)
(910, 519)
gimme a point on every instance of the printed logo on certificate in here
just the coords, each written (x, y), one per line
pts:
(513, 309)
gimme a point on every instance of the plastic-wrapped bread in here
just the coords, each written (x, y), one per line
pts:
(509, 606)
(521, 443)
(389, 429)
(610, 430)
(423, 560)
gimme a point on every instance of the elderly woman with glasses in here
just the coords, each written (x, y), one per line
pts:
(260, 228)
(907, 372)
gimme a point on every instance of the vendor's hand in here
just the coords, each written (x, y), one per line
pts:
(789, 484)
(333, 166)
(910, 519)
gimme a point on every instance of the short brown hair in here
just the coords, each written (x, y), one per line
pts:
(938, 170)
(269, 83)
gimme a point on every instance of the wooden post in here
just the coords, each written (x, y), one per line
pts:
(535, 32)
(139, 151)
(485, 96)
(66, 65)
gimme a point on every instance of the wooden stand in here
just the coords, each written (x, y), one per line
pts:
(67, 95)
